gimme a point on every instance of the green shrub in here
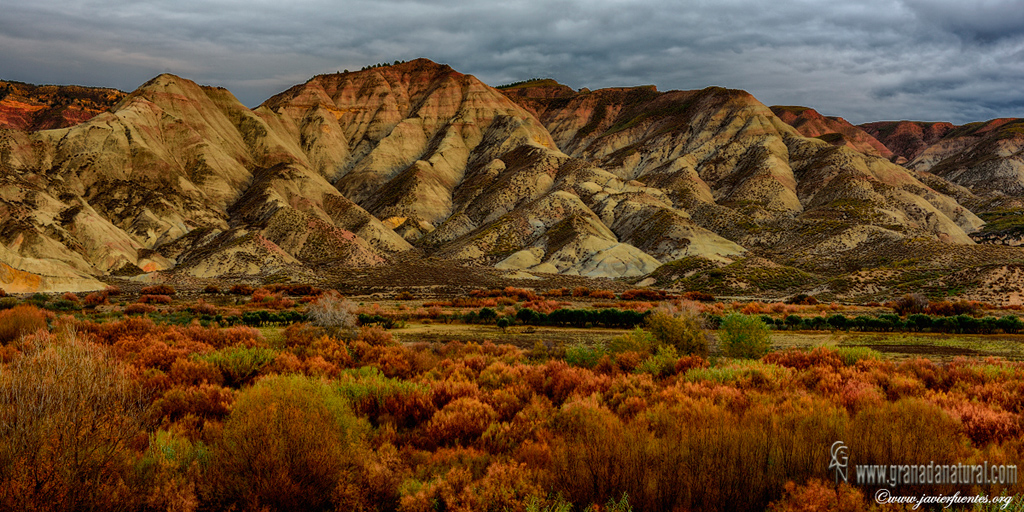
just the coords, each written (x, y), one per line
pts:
(637, 340)
(63, 305)
(744, 336)
(8, 302)
(581, 355)
(286, 446)
(661, 364)
(683, 332)
(240, 365)
(850, 355)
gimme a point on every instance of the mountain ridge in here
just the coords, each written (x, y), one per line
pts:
(354, 169)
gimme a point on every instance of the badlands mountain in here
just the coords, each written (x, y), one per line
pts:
(360, 169)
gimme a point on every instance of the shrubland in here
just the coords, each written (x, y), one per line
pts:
(177, 410)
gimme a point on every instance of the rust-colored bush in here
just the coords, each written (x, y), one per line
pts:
(222, 337)
(984, 425)
(95, 299)
(460, 422)
(558, 292)
(687, 363)
(70, 297)
(205, 401)
(816, 495)
(445, 391)
(375, 335)
(108, 333)
(155, 299)
(300, 335)
(241, 289)
(756, 308)
(20, 320)
(159, 289)
(946, 308)
(138, 309)
(699, 296)
(331, 349)
(202, 307)
(801, 359)
(191, 372)
(644, 294)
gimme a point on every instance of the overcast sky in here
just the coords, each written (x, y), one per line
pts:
(866, 60)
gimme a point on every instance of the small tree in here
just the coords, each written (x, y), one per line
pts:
(504, 323)
(744, 336)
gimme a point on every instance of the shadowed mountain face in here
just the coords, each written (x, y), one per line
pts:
(354, 169)
(907, 139)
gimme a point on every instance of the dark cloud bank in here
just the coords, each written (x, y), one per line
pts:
(869, 60)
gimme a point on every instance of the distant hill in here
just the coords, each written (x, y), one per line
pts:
(32, 107)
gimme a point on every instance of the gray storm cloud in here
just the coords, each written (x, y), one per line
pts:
(866, 61)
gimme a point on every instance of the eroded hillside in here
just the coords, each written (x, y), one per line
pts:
(352, 169)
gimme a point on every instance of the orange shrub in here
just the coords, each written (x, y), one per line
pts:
(817, 495)
(160, 289)
(507, 402)
(756, 308)
(984, 425)
(602, 294)
(205, 401)
(629, 360)
(542, 306)
(108, 333)
(392, 361)
(190, 372)
(241, 289)
(70, 296)
(20, 320)
(644, 294)
(328, 348)
(558, 292)
(858, 395)
(319, 367)
(375, 335)
(201, 307)
(699, 296)
(689, 362)
(222, 337)
(95, 299)
(155, 299)
(138, 309)
(460, 422)
(801, 359)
